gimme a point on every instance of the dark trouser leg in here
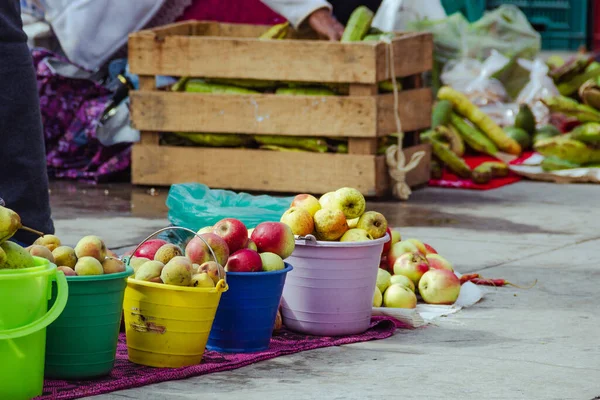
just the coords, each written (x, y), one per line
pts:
(23, 175)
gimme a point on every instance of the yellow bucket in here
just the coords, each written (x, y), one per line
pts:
(168, 326)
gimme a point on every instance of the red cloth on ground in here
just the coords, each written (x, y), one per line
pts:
(232, 11)
(450, 180)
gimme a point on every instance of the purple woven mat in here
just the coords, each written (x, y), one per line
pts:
(127, 375)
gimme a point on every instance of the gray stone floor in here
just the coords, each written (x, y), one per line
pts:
(515, 344)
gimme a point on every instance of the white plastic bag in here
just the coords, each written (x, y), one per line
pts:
(540, 86)
(394, 15)
(474, 78)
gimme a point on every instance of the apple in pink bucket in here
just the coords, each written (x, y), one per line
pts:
(198, 252)
(274, 237)
(234, 232)
(149, 248)
(244, 260)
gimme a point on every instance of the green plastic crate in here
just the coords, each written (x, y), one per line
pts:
(471, 9)
(561, 23)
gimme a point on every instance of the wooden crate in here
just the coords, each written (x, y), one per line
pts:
(214, 50)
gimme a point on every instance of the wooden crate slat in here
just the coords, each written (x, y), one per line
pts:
(413, 54)
(345, 116)
(414, 107)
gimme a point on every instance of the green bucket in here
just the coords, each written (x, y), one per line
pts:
(82, 342)
(24, 316)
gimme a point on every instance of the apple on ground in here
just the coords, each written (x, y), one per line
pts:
(377, 297)
(244, 260)
(325, 200)
(438, 262)
(387, 245)
(274, 237)
(199, 253)
(206, 229)
(299, 220)
(356, 235)
(396, 237)
(349, 201)
(384, 279)
(398, 296)
(330, 224)
(419, 244)
(271, 262)
(402, 280)
(399, 249)
(439, 286)
(149, 248)
(306, 202)
(411, 265)
(430, 250)
(374, 223)
(234, 232)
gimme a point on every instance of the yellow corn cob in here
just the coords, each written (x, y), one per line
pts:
(278, 31)
(463, 106)
(358, 25)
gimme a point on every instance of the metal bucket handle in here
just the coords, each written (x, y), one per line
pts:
(221, 285)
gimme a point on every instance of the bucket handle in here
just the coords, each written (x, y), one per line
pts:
(52, 314)
(221, 285)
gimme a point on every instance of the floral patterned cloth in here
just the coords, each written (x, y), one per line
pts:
(71, 109)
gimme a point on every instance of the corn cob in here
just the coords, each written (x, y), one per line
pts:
(388, 86)
(473, 136)
(313, 144)
(216, 139)
(440, 115)
(463, 106)
(565, 148)
(278, 31)
(244, 83)
(572, 108)
(305, 91)
(587, 133)
(482, 174)
(198, 86)
(557, 164)
(451, 160)
(358, 25)
(499, 169)
(179, 86)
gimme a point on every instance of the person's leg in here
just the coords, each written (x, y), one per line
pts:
(23, 175)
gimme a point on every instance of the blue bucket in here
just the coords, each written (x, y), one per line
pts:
(247, 311)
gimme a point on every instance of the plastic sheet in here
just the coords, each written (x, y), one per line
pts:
(194, 205)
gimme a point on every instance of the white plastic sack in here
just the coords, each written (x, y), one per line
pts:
(394, 15)
(531, 168)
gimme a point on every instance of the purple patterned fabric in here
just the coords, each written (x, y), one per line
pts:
(70, 110)
(127, 375)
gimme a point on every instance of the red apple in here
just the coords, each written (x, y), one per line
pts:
(387, 245)
(439, 286)
(400, 248)
(149, 249)
(411, 265)
(198, 253)
(430, 250)
(244, 260)
(274, 237)
(438, 262)
(234, 232)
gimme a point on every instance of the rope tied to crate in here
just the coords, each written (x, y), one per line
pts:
(394, 156)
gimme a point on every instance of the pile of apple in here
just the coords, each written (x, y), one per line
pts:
(89, 257)
(409, 266)
(238, 249)
(338, 215)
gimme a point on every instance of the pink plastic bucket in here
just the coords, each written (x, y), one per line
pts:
(330, 290)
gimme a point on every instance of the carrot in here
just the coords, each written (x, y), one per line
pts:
(468, 277)
(498, 282)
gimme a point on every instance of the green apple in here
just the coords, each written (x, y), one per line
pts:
(271, 262)
(439, 286)
(356, 235)
(206, 229)
(325, 200)
(402, 280)
(396, 237)
(307, 202)
(202, 280)
(377, 297)
(299, 220)
(350, 201)
(374, 223)
(398, 296)
(330, 224)
(384, 279)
